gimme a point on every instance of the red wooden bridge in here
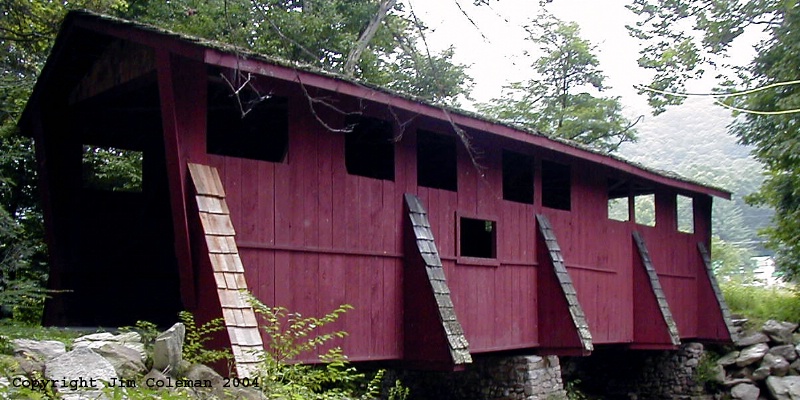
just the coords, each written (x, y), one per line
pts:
(331, 192)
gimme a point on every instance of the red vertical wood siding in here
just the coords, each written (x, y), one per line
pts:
(314, 237)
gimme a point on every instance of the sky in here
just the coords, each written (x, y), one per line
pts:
(495, 44)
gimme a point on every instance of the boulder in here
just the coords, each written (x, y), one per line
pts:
(167, 352)
(738, 373)
(795, 365)
(728, 359)
(126, 361)
(752, 354)
(786, 351)
(778, 366)
(745, 391)
(203, 373)
(738, 322)
(737, 381)
(95, 341)
(779, 332)
(246, 394)
(719, 374)
(41, 350)
(749, 340)
(761, 373)
(155, 379)
(784, 388)
(83, 371)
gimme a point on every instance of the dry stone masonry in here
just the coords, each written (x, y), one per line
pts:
(489, 378)
(764, 364)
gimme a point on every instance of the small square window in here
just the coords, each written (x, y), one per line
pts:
(369, 148)
(478, 238)
(261, 134)
(685, 212)
(517, 177)
(556, 185)
(436, 161)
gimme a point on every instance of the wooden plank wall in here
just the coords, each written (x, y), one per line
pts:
(314, 237)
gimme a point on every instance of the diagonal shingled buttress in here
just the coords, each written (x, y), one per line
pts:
(655, 285)
(238, 315)
(577, 315)
(723, 306)
(424, 244)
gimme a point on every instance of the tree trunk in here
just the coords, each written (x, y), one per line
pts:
(366, 36)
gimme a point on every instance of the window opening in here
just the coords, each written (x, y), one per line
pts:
(618, 200)
(556, 185)
(685, 212)
(645, 209)
(517, 177)
(436, 161)
(369, 148)
(111, 169)
(478, 238)
(262, 134)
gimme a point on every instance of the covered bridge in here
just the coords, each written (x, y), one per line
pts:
(333, 192)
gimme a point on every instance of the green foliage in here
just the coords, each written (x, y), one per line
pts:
(775, 137)
(290, 335)
(194, 349)
(557, 101)
(759, 303)
(112, 169)
(707, 370)
(666, 29)
(10, 329)
(142, 392)
(321, 34)
(23, 272)
(149, 332)
(732, 263)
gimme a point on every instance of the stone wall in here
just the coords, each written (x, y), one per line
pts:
(489, 378)
(639, 374)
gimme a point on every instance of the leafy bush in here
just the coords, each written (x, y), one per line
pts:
(194, 350)
(759, 303)
(291, 335)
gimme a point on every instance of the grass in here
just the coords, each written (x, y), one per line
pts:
(759, 304)
(10, 329)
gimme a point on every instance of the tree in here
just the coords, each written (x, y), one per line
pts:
(557, 101)
(768, 119)
(732, 263)
(375, 41)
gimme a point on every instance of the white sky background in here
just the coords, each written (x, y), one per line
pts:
(499, 58)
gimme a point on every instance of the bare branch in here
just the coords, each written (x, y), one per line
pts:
(313, 100)
(467, 141)
(470, 20)
(401, 125)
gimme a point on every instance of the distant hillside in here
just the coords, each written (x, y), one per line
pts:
(693, 141)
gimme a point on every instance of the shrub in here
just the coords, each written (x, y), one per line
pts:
(290, 335)
(194, 350)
